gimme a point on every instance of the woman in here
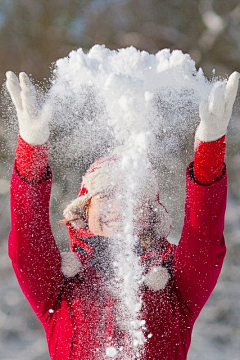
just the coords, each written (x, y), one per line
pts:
(79, 316)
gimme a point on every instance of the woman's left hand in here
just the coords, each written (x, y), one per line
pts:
(215, 111)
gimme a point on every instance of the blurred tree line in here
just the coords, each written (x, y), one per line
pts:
(33, 35)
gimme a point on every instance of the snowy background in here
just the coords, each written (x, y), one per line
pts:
(35, 34)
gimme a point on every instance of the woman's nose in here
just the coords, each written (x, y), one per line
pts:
(111, 208)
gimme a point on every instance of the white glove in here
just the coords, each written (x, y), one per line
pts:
(33, 121)
(215, 112)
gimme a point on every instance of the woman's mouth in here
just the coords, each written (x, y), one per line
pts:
(111, 222)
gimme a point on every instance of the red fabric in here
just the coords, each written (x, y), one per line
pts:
(31, 161)
(83, 314)
(209, 160)
(95, 166)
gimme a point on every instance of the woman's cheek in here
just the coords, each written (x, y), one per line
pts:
(94, 220)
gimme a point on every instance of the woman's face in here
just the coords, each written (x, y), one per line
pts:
(104, 215)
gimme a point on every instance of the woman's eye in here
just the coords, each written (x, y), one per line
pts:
(103, 197)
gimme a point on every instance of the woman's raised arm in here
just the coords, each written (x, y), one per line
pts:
(201, 250)
(32, 248)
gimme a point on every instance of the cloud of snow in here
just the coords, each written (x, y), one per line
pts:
(146, 104)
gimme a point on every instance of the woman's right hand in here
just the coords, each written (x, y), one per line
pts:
(33, 120)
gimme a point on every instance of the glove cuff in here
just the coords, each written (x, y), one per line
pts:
(205, 134)
(34, 136)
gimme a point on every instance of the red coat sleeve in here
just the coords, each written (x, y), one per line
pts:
(199, 255)
(209, 160)
(31, 161)
(35, 256)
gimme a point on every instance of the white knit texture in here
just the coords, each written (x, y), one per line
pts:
(157, 278)
(71, 264)
(33, 120)
(215, 111)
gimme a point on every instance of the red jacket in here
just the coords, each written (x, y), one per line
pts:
(77, 312)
